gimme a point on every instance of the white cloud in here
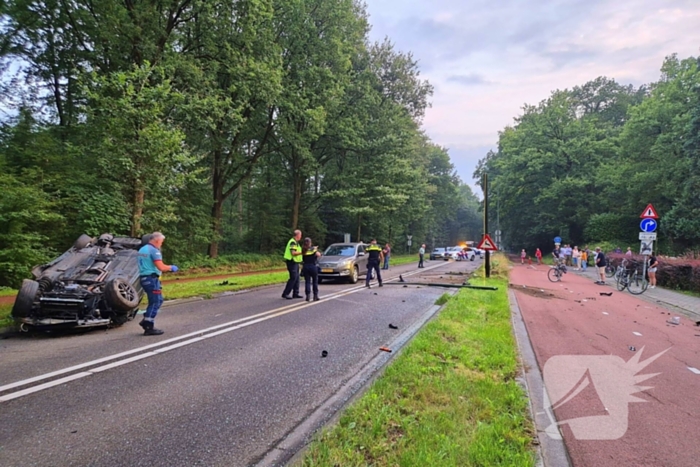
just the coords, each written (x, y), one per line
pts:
(488, 58)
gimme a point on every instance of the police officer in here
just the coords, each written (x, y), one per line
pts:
(374, 252)
(310, 256)
(151, 266)
(293, 258)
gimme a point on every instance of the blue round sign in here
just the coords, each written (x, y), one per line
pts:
(557, 239)
(648, 225)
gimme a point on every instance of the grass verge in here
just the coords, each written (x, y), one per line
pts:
(450, 398)
(208, 288)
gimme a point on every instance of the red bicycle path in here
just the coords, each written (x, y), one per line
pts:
(572, 318)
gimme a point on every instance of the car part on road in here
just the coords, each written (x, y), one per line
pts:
(25, 298)
(385, 349)
(451, 286)
(391, 326)
(324, 354)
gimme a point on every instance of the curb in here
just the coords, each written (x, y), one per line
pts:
(550, 452)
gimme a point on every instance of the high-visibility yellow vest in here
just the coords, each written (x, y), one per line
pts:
(292, 246)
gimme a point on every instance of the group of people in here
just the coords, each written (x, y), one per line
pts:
(306, 255)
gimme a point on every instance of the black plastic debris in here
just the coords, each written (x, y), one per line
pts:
(391, 326)
(607, 294)
(324, 354)
(401, 278)
(633, 348)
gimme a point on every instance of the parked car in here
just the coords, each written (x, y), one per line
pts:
(94, 283)
(438, 253)
(343, 261)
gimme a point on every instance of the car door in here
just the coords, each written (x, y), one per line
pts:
(361, 259)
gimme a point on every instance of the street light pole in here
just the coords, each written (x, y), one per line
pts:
(487, 256)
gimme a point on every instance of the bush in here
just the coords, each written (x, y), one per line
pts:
(609, 226)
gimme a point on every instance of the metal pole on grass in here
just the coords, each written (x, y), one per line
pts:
(485, 187)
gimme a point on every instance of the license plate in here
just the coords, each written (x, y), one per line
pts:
(327, 270)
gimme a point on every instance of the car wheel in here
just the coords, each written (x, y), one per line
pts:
(121, 295)
(472, 258)
(25, 298)
(355, 275)
(82, 242)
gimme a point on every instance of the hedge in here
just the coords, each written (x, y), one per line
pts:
(673, 273)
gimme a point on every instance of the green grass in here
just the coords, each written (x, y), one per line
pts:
(7, 292)
(208, 288)
(5, 319)
(449, 399)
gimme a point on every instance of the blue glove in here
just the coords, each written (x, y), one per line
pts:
(174, 268)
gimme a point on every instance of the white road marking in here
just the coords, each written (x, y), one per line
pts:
(694, 370)
(637, 334)
(212, 332)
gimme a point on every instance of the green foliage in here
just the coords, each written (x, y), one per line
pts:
(585, 162)
(225, 124)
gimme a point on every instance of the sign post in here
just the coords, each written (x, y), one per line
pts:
(487, 256)
(409, 242)
(648, 227)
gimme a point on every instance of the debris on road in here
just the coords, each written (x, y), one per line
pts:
(633, 348)
(606, 294)
(675, 320)
(324, 354)
(401, 278)
(391, 326)
(385, 349)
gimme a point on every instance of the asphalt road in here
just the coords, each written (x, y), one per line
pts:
(229, 380)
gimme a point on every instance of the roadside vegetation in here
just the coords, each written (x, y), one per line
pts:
(449, 398)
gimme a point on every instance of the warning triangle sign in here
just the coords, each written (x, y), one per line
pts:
(487, 244)
(649, 213)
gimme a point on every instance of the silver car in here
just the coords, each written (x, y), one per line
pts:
(343, 261)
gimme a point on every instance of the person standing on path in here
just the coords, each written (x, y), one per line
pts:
(576, 255)
(375, 258)
(293, 258)
(538, 255)
(653, 265)
(387, 254)
(151, 266)
(523, 255)
(600, 263)
(310, 256)
(584, 260)
(421, 255)
(629, 251)
(567, 254)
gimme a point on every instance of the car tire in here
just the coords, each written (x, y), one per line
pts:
(82, 242)
(25, 298)
(120, 295)
(472, 258)
(355, 276)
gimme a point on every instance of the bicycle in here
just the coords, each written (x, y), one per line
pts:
(610, 271)
(633, 280)
(555, 272)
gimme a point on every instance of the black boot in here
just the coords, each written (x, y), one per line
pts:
(149, 330)
(308, 297)
(316, 298)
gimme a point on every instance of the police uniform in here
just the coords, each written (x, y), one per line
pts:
(310, 272)
(293, 262)
(374, 252)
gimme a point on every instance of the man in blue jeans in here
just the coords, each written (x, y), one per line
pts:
(151, 266)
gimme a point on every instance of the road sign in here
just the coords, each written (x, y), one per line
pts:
(557, 240)
(409, 237)
(648, 225)
(649, 213)
(409, 242)
(487, 244)
(646, 248)
(647, 236)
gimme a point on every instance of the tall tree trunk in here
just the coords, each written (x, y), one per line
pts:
(359, 228)
(137, 211)
(298, 183)
(217, 212)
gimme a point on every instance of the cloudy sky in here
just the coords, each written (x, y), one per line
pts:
(486, 58)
